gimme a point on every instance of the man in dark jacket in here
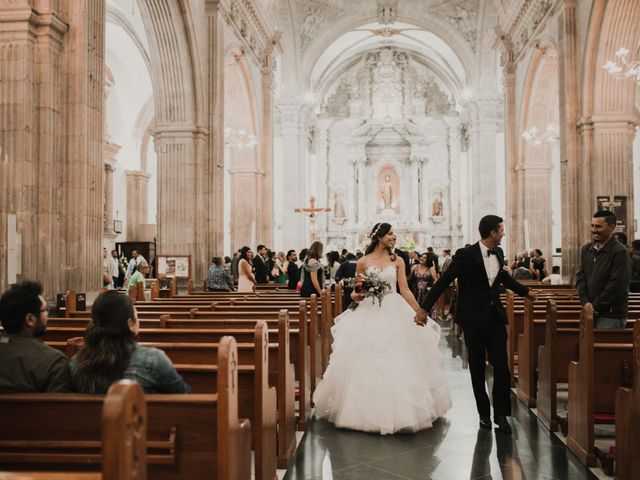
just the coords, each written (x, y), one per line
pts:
(293, 272)
(260, 265)
(26, 363)
(347, 269)
(479, 311)
(603, 277)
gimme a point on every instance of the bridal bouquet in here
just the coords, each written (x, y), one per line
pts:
(369, 283)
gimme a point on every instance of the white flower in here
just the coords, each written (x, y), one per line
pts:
(623, 52)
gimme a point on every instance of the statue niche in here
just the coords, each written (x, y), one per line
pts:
(388, 191)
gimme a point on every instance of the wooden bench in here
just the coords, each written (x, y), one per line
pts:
(627, 448)
(188, 436)
(592, 390)
(560, 347)
(122, 444)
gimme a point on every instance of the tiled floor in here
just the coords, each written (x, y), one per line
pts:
(455, 448)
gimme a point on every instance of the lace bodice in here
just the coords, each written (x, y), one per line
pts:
(388, 273)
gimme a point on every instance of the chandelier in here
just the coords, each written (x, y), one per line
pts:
(624, 69)
(239, 138)
(550, 134)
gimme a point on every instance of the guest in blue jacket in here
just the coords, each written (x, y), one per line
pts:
(111, 352)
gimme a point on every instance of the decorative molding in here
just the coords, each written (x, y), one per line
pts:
(253, 29)
(522, 20)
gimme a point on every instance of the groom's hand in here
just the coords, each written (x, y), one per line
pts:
(532, 296)
(421, 317)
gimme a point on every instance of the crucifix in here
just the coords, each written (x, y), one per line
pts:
(312, 212)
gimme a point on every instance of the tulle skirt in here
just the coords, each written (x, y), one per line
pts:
(384, 374)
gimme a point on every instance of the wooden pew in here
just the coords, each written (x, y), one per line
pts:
(560, 347)
(188, 436)
(592, 390)
(627, 449)
(197, 363)
(123, 441)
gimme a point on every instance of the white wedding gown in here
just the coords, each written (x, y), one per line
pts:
(384, 374)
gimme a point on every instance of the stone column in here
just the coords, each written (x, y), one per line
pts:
(352, 196)
(211, 166)
(178, 151)
(51, 96)
(83, 225)
(294, 154)
(110, 152)
(483, 150)
(570, 169)
(414, 205)
(266, 148)
(513, 207)
(137, 205)
(537, 204)
(362, 194)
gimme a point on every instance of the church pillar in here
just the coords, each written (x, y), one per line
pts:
(362, 198)
(51, 94)
(294, 155)
(570, 171)
(210, 175)
(137, 208)
(178, 216)
(266, 148)
(537, 202)
(610, 164)
(515, 238)
(110, 152)
(414, 198)
(352, 202)
(483, 154)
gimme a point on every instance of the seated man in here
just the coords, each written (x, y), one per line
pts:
(26, 363)
(555, 278)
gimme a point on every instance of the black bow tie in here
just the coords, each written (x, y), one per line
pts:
(491, 251)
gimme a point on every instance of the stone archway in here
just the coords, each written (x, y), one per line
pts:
(535, 164)
(609, 116)
(244, 163)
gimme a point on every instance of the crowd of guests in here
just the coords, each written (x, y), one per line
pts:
(608, 270)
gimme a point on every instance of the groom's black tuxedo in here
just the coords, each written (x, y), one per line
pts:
(477, 300)
(483, 317)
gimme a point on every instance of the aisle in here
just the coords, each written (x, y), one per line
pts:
(455, 448)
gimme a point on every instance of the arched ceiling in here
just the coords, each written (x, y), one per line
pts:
(434, 52)
(321, 35)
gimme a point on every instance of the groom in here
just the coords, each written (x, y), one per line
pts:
(479, 311)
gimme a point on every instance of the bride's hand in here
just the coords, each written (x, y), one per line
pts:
(421, 317)
(357, 297)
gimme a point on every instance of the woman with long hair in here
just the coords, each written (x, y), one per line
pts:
(384, 372)
(111, 352)
(311, 271)
(246, 279)
(422, 277)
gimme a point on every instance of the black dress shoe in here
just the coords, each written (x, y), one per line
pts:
(503, 425)
(485, 422)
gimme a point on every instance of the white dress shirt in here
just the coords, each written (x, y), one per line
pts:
(491, 263)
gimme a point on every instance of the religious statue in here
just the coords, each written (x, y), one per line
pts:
(387, 192)
(437, 206)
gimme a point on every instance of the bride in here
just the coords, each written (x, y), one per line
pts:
(384, 374)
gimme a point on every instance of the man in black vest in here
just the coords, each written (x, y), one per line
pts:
(479, 269)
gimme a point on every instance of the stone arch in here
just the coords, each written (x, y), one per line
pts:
(245, 168)
(609, 116)
(541, 107)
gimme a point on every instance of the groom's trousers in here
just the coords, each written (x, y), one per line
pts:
(489, 341)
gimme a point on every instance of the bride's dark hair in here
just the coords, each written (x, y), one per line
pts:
(378, 231)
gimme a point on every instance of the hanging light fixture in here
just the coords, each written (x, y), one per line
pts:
(624, 69)
(550, 134)
(239, 139)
